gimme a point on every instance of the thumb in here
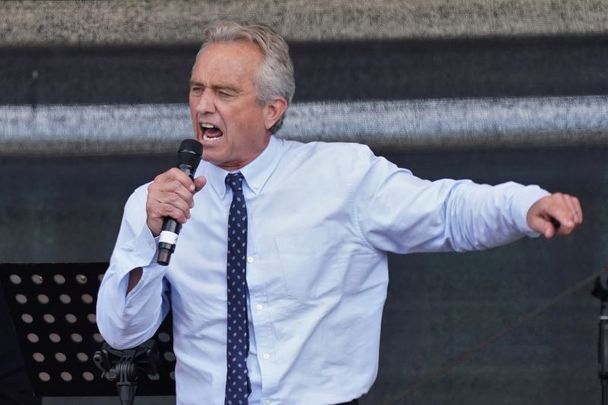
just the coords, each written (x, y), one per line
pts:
(543, 225)
(199, 183)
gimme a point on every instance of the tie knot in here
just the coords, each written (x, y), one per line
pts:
(235, 181)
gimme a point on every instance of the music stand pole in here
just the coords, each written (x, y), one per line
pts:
(600, 291)
(125, 366)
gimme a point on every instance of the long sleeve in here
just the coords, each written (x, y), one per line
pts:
(401, 213)
(321, 217)
(126, 320)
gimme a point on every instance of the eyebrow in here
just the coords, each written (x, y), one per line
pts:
(216, 86)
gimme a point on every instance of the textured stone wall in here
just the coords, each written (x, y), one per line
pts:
(180, 21)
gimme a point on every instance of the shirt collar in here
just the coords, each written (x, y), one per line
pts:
(256, 173)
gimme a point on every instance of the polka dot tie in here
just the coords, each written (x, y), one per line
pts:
(237, 345)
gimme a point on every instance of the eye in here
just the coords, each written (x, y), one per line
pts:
(226, 93)
(196, 90)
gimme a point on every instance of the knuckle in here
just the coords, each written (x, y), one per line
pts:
(178, 215)
(172, 198)
(153, 187)
(174, 172)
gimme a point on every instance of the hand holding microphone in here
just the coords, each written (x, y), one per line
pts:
(171, 196)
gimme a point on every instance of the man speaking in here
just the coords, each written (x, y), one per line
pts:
(280, 273)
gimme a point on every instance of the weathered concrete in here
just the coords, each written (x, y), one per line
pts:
(180, 21)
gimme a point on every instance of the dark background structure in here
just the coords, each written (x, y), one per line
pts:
(456, 328)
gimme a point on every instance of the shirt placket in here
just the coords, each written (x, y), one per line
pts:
(261, 311)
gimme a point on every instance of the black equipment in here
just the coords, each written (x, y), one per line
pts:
(600, 291)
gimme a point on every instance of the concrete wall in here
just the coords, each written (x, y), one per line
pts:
(115, 22)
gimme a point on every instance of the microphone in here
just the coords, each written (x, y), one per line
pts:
(188, 158)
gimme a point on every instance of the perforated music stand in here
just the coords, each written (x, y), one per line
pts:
(53, 308)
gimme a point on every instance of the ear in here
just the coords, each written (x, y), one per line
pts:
(273, 110)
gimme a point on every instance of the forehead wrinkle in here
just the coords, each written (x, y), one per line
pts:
(228, 63)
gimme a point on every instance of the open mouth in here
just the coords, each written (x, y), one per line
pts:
(210, 132)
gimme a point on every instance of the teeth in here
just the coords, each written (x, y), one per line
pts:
(205, 126)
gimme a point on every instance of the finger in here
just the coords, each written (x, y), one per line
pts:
(174, 192)
(568, 200)
(180, 214)
(559, 213)
(571, 214)
(567, 223)
(543, 225)
(576, 209)
(174, 177)
(158, 209)
(176, 201)
(561, 209)
(175, 174)
(171, 182)
(575, 213)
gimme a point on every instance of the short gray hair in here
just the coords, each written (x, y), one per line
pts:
(275, 77)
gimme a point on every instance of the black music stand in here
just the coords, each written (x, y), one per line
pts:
(53, 308)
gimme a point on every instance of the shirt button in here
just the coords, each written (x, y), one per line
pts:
(266, 356)
(268, 402)
(249, 259)
(259, 307)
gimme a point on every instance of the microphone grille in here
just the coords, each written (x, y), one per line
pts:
(190, 152)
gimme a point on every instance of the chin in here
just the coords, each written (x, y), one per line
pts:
(206, 157)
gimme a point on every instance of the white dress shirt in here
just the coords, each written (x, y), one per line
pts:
(321, 218)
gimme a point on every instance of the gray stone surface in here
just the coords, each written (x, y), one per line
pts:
(180, 21)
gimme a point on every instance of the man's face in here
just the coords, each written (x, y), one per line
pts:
(226, 115)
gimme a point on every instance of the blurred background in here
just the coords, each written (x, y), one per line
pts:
(93, 103)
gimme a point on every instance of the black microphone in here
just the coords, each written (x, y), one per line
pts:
(188, 158)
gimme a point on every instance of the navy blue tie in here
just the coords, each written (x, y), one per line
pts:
(237, 347)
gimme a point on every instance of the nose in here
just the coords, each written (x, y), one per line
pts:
(206, 102)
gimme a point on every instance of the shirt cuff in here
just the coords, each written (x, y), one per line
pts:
(521, 205)
(140, 252)
(143, 248)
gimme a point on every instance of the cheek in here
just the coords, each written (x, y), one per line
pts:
(252, 120)
(242, 123)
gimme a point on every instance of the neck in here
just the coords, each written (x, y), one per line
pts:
(234, 166)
